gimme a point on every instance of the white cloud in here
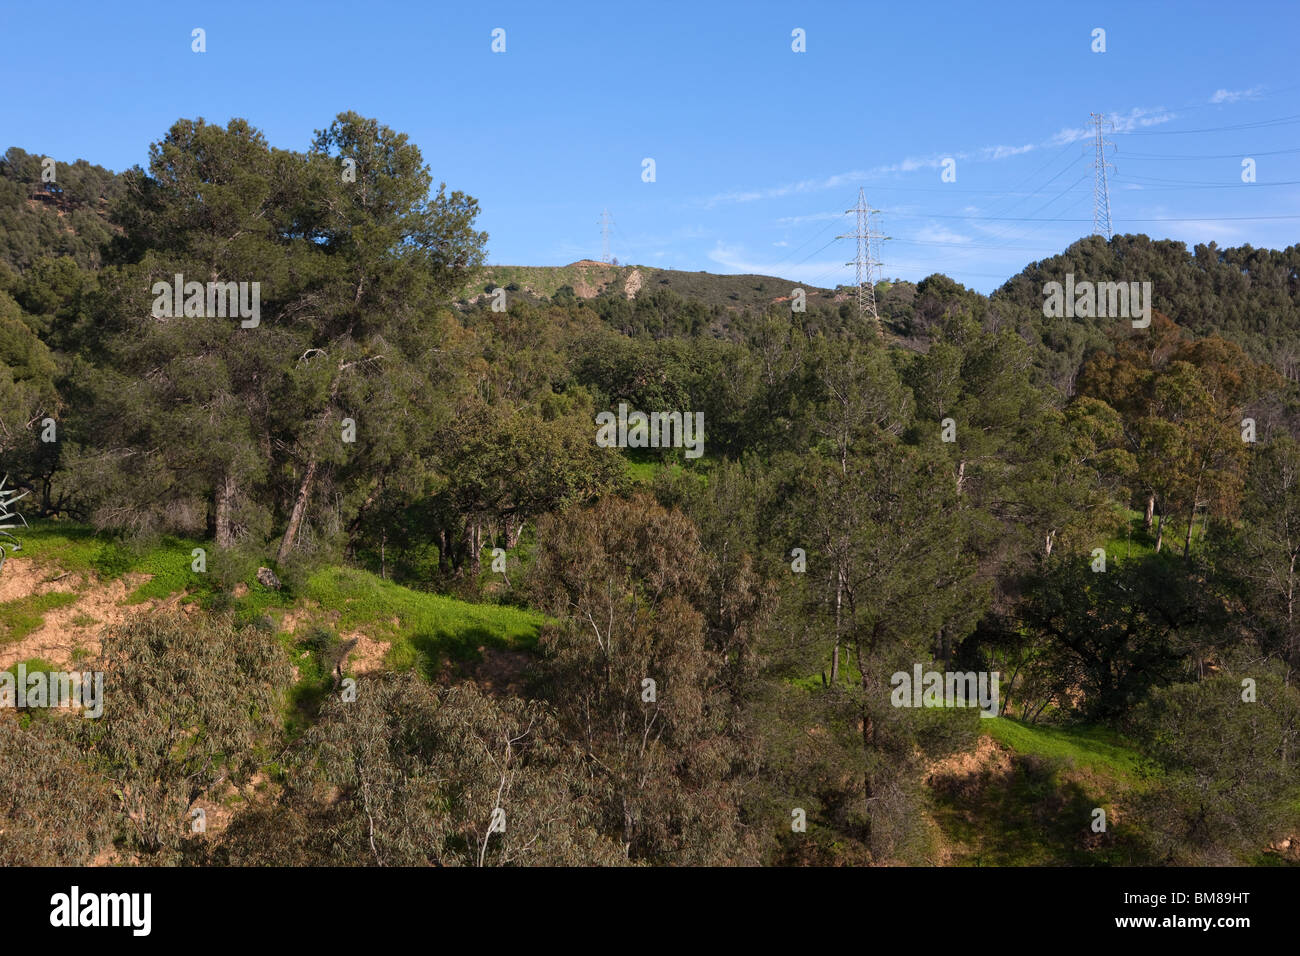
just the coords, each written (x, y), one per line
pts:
(1231, 96)
(811, 217)
(940, 234)
(1002, 152)
(1136, 118)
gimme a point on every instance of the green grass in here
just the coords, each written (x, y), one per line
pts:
(425, 630)
(78, 549)
(644, 465)
(426, 623)
(170, 562)
(19, 618)
(32, 665)
(72, 547)
(1038, 811)
(1097, 748)
(849, 674)
(1131, 540)
(642, 472)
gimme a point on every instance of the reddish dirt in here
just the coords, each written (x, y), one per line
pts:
(58, 636)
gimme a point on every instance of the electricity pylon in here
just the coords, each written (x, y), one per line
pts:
(1101, 188)
(605, 223)
(864, 261)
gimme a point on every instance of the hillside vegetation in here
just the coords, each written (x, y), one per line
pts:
(366, 568)
(587, 279)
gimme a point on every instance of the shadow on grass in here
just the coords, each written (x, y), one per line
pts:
(436, 649)
(1036, 812)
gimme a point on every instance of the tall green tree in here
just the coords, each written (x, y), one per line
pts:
(632, 674)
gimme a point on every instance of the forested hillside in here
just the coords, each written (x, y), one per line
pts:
(367, 588)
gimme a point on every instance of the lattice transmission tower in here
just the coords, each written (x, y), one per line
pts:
(605, 223)
(865, 261)
(1101, 187)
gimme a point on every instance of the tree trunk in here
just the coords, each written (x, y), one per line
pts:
(868, 739)
(1160, 531)
(868, 784)
(1191, 519)
(299, 509)
(475, 545)
(1293, 657)
(304, 490)
(1151, 511)
(225, 497)
(839, 603)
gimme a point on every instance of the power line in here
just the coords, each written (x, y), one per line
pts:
(1053, 158)
(866, 264)
(990, 242)
(795, 251)
(1261, 124)
(1002, 234)
(1068, 219)
(1165, 157)
(1203, 184)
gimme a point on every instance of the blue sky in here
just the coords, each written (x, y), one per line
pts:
(758, 149)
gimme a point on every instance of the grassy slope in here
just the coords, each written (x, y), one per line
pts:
(423, 629)
(1036, 813)
(643, 466)
(728, 291)
(1130, 538)
(1096, 748)
(20, 617)
(1039, 811)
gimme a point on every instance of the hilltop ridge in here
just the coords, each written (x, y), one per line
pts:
(588, 279)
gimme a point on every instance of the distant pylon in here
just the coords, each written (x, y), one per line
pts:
(865, 260)
(605, 223)
(1101, 188)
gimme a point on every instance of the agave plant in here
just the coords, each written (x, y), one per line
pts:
(9, 518)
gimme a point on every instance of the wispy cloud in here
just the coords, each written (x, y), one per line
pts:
(1136, 118)
(1002, 152)
(810, 217)
(1231, 96)
(940, 234)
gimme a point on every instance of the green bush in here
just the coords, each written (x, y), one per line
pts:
(113, 560)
